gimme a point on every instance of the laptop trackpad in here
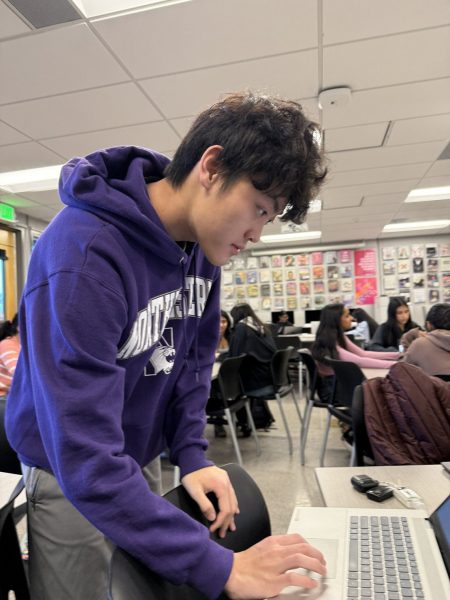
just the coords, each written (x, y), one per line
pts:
(329, 549)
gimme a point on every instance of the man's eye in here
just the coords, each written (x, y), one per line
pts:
(262, 212)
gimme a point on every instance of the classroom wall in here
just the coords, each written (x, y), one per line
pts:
(416, 267)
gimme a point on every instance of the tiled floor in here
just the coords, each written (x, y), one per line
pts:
(281, 478)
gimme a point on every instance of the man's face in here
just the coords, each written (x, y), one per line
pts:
(231, 219)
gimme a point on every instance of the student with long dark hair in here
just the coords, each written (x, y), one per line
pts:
(330, 341)
(387, 336)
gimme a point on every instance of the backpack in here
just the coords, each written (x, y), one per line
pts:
(261, 413)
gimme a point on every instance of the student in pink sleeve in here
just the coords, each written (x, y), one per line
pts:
(9, 353)
(330, 341)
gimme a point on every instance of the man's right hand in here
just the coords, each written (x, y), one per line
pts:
(262, 570)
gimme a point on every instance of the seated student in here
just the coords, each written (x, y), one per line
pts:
(9, 353)
(222, 348)
(366, 325)
(330, 341)
(387, 336)
(282, 322)
(250, 336)
(223, 344)
(430, 350)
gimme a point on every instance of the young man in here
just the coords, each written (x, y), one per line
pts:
(118, 322)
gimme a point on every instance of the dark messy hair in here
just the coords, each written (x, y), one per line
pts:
(439, 316)
(9, 328)
(264, 138)
(329, 334)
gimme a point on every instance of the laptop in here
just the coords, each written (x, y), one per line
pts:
(377, 554)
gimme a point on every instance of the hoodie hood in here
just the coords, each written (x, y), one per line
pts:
(112, 184)
(440, 338)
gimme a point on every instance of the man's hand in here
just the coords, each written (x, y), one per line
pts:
(212, 479)
(261, 571)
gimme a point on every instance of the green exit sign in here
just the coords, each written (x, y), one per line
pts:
(7, 212)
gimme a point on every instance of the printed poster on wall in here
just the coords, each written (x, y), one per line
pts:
(365, 290)
(365, 263)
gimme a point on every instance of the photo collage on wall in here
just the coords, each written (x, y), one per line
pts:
(289, 281)
(420, 272)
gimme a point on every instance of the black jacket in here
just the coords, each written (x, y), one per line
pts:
(261, 347)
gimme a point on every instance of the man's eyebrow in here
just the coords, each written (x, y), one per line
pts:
(278, 205)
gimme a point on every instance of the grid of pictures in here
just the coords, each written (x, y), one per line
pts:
(421, 272)
(290, 281)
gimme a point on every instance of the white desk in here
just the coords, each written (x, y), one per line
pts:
(8, 482)
(431, 482)
(371, 373)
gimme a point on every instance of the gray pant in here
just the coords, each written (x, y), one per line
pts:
(68, 557)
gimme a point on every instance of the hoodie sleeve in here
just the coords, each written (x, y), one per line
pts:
(185, 421)
(79, 396)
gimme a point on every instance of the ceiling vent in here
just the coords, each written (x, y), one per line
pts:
(44, 13)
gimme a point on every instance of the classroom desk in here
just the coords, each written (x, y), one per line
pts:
(431, 482)
(371, 373)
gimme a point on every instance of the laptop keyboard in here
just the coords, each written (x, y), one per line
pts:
(382, 563)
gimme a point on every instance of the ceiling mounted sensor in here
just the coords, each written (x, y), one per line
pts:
(334, 97)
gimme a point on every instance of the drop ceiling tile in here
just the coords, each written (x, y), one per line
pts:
(387, 156)
(28, 155)
(345, 20)
(339, 194)
(113, 106)
(427, 182)
(158, 136)
(188, 93)
(385, 174)
(359, 136)
(182, 125)
(43, 213)
(49, 198)
(391, 103)
(423, 129)
(440, 167)
(388, 60)
(10, 24)
(55, 61)
(8, 135)
(333, 199)
(208, 32)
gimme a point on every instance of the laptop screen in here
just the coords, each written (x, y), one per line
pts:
(441, 524)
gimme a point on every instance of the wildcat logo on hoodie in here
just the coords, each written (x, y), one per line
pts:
(151, 321)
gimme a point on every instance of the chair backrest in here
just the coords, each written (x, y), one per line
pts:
(360, 436)
(279, 367)
(229, 378)
(348, 376)
(130, 580)
(9, 462)
(311, 369)
(286, 341)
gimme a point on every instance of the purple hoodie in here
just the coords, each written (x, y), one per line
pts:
(118, 329)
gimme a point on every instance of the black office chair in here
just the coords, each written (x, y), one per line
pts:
(231, 399)
(295, 364)
(130, 580)
(347, 376)
(312, 398)
(9, 463)
(12, 572)
(281, 386)
(362, 449)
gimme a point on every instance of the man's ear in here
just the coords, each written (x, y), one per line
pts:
(208, 166)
